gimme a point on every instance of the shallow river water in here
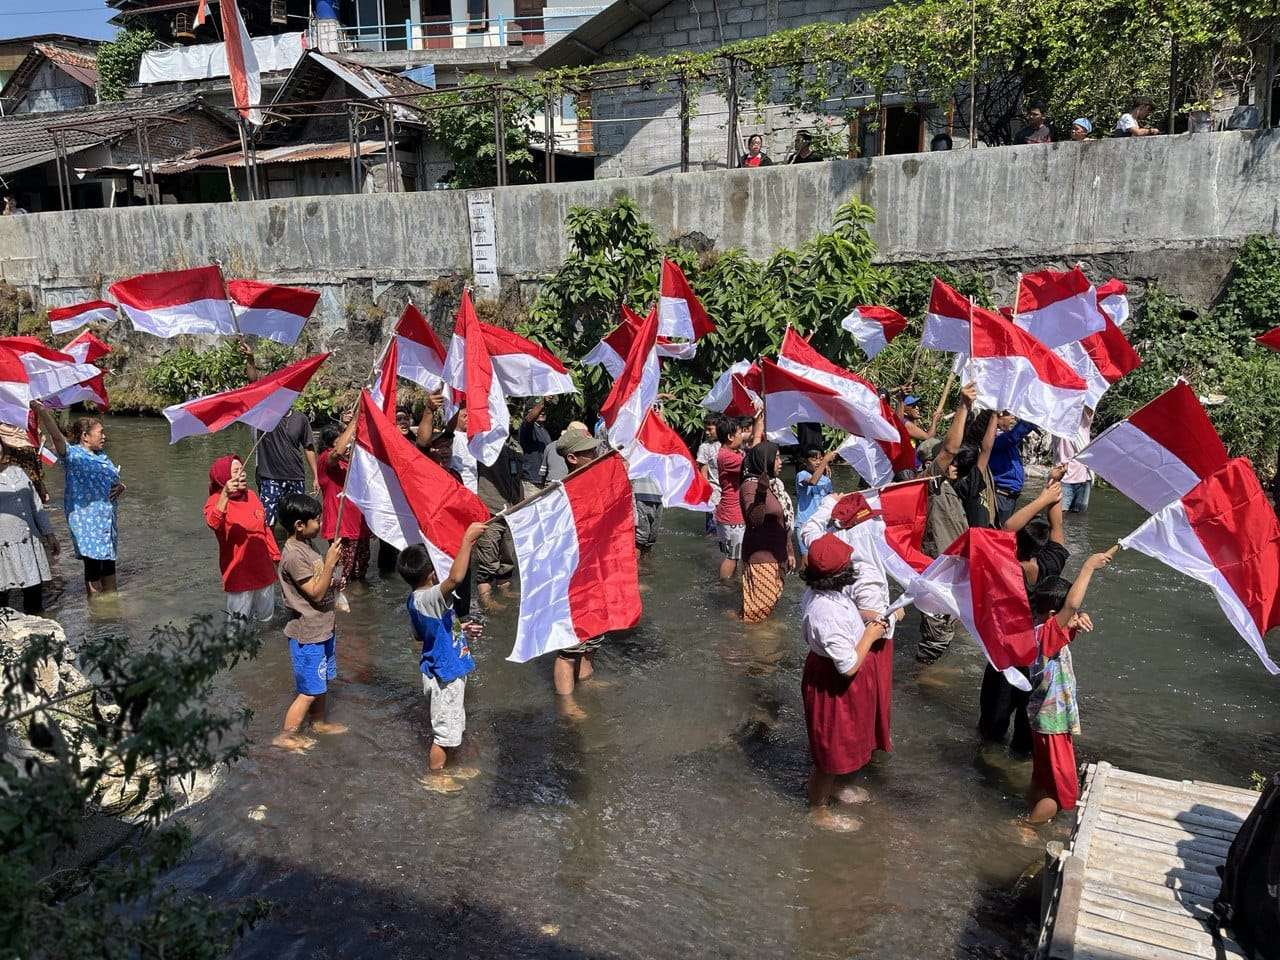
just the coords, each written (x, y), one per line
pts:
(671, 821)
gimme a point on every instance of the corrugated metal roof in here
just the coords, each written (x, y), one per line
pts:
(13, 162)
(295, 153)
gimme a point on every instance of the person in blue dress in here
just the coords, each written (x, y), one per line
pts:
(92, 487)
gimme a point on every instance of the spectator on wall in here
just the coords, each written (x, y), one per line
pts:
(804, 152)
(1037, 128)
(755, 155)
(1131, 124)
(1080, 129)
(10, 208)
(940, 141)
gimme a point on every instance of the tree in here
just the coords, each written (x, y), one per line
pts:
(122, 736)
(118, 61)
(467, 132)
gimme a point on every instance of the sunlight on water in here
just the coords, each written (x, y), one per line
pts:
(671, 820)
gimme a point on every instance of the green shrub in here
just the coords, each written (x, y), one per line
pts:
(185, 373)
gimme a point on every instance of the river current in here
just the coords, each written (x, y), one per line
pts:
(671, 822)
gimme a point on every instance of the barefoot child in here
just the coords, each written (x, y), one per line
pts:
(446, 659)
(306, 584)
(1053, 709)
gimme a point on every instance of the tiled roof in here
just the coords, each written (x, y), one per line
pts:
(79, 65)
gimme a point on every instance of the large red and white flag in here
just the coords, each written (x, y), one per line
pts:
(680, 312)
(1159, 452)
(49, 371)
(978, 580)
(721, 393)
(404, 496)
(1224, 533)
(635, 390)
(878, 460)
(524, 368)
(611, 352)
(899, 530)
(383, 390)
(1057, 306)
(946, 322)
(260, 404)
(469, 372)
(798, 356)
(874, 327)
(66, 319)
(790, 398)
(269, 311)
(176, 302)
(421, 354)
(15, 391)
(1101, 360)
(242, 63)
(1113, 300)
(659, 454)
(1016, 372)
(575, 548)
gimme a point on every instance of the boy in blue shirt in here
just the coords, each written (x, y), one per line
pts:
(813, 485)
(446, 659)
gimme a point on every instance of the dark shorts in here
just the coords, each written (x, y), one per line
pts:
(272, 491)
(95, 570)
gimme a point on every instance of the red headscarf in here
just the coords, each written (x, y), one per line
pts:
(220, 474)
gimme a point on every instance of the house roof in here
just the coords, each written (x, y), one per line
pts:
(77, 64)
(586, 43)
(312, 75)
(295, 153)
(66, 39)
(27, 141)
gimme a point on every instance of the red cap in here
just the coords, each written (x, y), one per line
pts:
(852, 510)
(828, 555)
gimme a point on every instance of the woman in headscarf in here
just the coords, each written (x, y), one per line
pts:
(247, 552)
(91, 488)
(25, 530)
(767, 550)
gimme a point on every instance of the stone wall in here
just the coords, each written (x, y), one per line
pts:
(1172, 207)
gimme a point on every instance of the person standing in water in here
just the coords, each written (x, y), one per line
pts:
(281, 452)
(247, 550)
(768, 554)
(91, 490)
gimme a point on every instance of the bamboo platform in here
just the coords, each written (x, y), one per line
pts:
(1140, 871)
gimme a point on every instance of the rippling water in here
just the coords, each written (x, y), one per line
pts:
(671, 821)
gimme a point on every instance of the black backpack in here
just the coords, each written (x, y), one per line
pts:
(1248, 904)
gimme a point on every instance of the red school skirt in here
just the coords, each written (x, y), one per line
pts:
(848, 719)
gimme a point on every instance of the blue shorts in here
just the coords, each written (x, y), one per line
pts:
(314, 665)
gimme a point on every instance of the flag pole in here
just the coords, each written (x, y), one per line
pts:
(915, 363)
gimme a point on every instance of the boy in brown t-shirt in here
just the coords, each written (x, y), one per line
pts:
(306, 584)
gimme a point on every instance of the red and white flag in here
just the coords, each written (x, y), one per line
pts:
(575, 548)
(260, 404)
(66, 319)
(404, 496)
(269, 311)
(946, 323)
(1101, 360)
(469, 373)
(721, 394)
(1159, 452)
(680, 312)
(383, 390)
(899, 530)
(1270, 339)
(798, 356)
(790, 398)
(878, 460)
(743, 401)
(874, 327)
(1016, 372)
(524, 368)
(1113, 300)
(659, 454)
(1057, 306)
(611, 352)
(176, 302)
(242, 63)
(1224, 533)
(49, 371)
(15, 391)
(978, 580)
(87, 348)
(421, 354)
(635, 390)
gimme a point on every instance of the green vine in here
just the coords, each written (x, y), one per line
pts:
(118, 61)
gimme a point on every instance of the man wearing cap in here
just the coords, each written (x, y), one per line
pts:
(574, 663)
(1081, 127)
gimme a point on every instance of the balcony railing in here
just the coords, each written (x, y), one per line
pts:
(445, 34)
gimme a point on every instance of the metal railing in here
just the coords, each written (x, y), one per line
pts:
(445, 34)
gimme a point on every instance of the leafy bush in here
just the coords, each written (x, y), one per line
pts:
(186, 373)
(118, 61)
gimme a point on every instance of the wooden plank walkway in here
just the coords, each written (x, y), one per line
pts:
(1140, 871)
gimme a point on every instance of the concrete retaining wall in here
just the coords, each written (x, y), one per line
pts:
(1174, 207)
